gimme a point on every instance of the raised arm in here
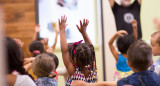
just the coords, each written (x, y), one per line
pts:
(82, 29)
(111, 2)
(36, 32)
(140, 2)
(112, 48)
(55, 41)
(64, 47)
(82, 83)
(134, 25)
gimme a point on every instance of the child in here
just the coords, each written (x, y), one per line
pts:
(123, 42)
(16, 74)
(43, 67)
(139, 60)
(56, 61)
(45, 40)
(81, 64)
(155, 45)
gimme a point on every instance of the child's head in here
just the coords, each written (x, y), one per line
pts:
(36, 47)
(155, 43)
(55, 58)
(83, 55)
(43, 65)
(139, 56)
(15, 56)
(124, 42)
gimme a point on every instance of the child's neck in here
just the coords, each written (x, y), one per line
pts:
(124, 55)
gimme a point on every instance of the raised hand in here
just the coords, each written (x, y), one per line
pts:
(83, 26)
(156, 21)
(62, 23)
(121, 32)
(134, 24)
(37, 28)
(19, 42)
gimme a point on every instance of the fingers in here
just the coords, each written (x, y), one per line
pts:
(80, 23)
(78, 27)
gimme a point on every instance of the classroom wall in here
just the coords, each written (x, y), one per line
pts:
(19, 20)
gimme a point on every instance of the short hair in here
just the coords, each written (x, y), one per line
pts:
(123, 43)
(43, 65)
(158, 39)
(55, 58)
(36, 45)
(140, 55)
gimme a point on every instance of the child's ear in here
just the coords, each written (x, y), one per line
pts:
(129, 64)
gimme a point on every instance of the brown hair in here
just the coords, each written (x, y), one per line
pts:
(43, 65)
(158, 39)
(140, 55)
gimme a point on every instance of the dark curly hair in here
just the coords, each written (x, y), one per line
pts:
(36, 45)
(84, 55)
(123, 43)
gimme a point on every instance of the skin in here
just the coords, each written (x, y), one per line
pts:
(154, 45)
(113, 1)
(64, 46)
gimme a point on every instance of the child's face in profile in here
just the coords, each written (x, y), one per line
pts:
(155, 46)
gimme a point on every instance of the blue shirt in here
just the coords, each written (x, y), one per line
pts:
(146, 78)
(45, 81)
(122, 64)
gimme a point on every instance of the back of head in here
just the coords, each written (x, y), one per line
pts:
(15, 56)
(55, 58)
(84, 55)
(140, 55)
(124, 42)
(36, 47)
(43, 65)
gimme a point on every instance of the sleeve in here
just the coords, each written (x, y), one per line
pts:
(122, 82)
(136, 3)
(29, 82)
(115, 6)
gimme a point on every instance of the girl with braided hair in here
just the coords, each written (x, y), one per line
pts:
(79, 58)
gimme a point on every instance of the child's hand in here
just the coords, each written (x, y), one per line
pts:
(37, 28)
(121, 32)
(83, 26)
(19, 42)
(62, 23)
(134, 24)
(46, 41)
(157, 23)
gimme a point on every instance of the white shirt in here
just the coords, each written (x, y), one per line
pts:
(24, 80)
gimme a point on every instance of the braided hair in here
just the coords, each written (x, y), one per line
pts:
(84, 55)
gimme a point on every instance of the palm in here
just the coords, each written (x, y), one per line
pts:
(83, 26)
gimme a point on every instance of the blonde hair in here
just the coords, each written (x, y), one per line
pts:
(43, 65)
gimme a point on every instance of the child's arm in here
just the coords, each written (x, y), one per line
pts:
(82, 29)
(64, 46)
(28, 60)
(55, 42)
(36, 32)
(82, 83)
(112, 48)
(134, 25)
